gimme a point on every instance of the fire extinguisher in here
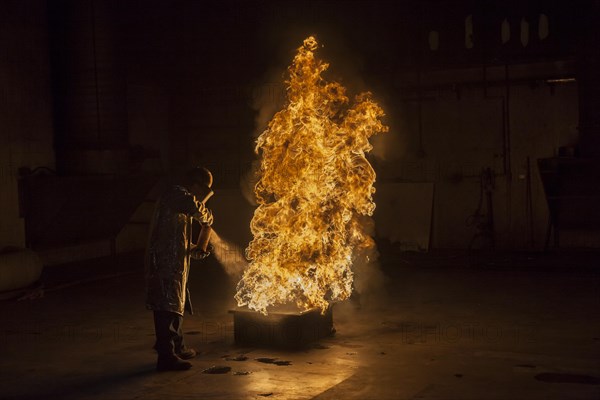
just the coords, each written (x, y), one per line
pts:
(206, 230)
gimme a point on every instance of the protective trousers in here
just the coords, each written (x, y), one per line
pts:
(169, 334)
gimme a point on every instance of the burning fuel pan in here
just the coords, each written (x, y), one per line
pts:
(283, 329)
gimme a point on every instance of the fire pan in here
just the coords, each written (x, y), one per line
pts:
(281, 329)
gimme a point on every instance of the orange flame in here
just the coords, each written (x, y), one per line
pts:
(315, 183)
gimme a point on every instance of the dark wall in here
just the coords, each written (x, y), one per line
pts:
(161, 85)
(25, 106)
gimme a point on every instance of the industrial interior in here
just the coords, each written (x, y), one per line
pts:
(402, 199)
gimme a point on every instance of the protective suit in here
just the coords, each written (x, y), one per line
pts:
(170, 248)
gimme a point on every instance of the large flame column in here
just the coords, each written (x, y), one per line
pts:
(315, 186)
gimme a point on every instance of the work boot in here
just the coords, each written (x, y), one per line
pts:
(172, 363)
(187, 353)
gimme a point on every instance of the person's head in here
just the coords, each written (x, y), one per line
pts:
(199, 181)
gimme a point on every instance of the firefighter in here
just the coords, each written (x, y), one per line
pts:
(168, 254)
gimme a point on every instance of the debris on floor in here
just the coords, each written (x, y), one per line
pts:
(268, 360)
(242, 373)
(217, 369)
(265, 360)
(241, 357)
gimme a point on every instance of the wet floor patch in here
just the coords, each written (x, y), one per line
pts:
(217, 369)
(567, 378)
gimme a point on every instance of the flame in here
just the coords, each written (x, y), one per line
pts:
(315, 184)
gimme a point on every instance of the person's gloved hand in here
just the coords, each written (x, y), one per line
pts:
(199, 254)
(209, 217)
(203, 215)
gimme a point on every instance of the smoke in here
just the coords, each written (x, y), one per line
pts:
(369, 289)
(229, 256)
(348, 67)
(268, 97)
(391, 146)
(247, 182)
(369, 293)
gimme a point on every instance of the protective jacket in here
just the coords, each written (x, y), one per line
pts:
(170, 248)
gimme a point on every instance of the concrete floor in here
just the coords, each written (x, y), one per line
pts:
(447, 327)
